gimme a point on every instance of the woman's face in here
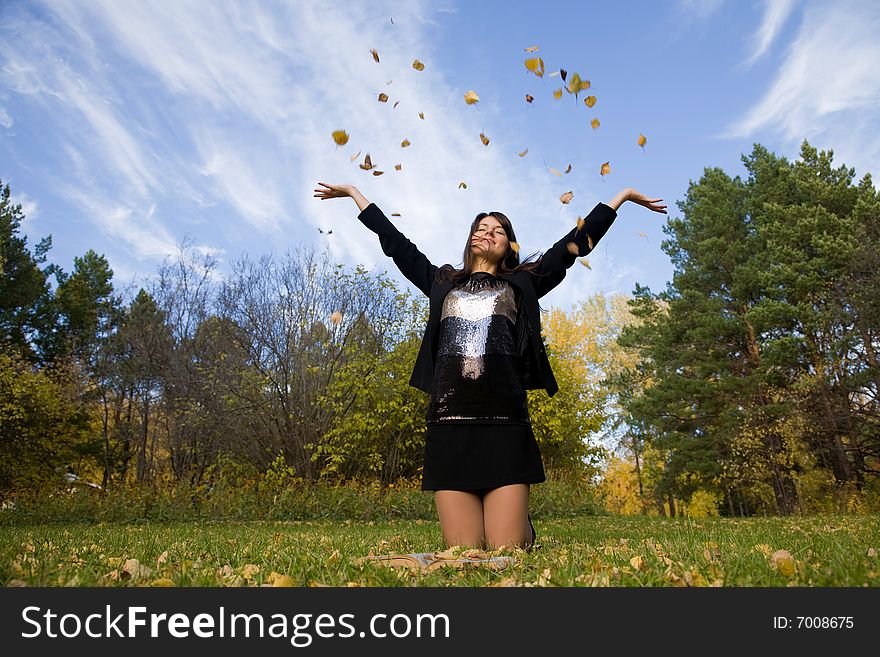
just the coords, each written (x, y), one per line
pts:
(489, 240)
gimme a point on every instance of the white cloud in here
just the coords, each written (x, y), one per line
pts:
(775, 14)
(827, 89)
(29, 206)
(5, 120)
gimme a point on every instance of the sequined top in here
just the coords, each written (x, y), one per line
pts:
(478, 376)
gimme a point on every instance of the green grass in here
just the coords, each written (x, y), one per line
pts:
(573, 551)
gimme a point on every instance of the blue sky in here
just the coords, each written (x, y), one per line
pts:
(128, 126)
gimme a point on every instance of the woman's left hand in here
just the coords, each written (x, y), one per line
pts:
(651, 203)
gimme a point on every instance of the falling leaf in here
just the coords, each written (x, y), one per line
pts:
(355, 156)
(553, 74)
(471, 97)
(555, 172)
(383, 98)
(395, 105)
(398, 167)
(462, 185)
(536, 66)
(395, 214)
(642, 140)
(594, 123)
(336, 317)
(418, 65)
(605, 169)
(523, 154)
(590, 101)
(566, 198)
(643, 234)
(563, 74)
(568, 170)
(422, 116)
(340, 137)
(515, 247)
(484, 139)
(375, 54)
(558, 93)
(531, 49)
(405, 143)
(576, 85)
(378, 173)
(529, 98)
(368, 163)
(387, 82)
(585, 262)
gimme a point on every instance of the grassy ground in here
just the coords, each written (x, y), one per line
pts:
(578, 551)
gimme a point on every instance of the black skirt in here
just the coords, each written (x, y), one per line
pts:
(480, 456)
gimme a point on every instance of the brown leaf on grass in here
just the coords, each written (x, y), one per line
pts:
(375, 54)
(783, 562)
(418, 65)
(340, 137)
(565, 199)
(383, 98)
(162, 582)
(636, 562)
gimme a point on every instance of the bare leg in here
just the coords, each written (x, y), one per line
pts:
(461, 517)
(505, 516)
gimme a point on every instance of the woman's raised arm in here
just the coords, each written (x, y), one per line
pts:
(411, 262)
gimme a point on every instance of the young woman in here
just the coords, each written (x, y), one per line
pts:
(481, 350)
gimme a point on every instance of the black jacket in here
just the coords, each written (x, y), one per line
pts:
(530, 287)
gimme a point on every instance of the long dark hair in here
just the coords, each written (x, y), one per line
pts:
(509, 263)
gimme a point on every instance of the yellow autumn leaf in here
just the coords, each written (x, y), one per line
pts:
(355, 156)
(462, 185)
(566, 198)
(398, 167)
(405, 143)
(418, 65)
(285, 581)
(162, 582)
(590, 101)
(594, 123)
(642, 140)
(643, 234)
(555, 172)
(484, 139)
(783, 562)
(636, 562)
(558, 93)
(383, 98)
(605, 169)
(375, 54)
(471, 97)
(422, 116)
(536, 66)
(585, 262)
(336, 317)
(531, 49)
(340, 137)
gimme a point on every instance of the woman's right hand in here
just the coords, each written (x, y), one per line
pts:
(334, 191)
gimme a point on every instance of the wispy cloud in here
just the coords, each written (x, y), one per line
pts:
(827, 89)
(775, 14)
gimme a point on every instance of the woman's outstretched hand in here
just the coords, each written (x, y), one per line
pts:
(630, 194)
(341, 191)
(333, 191)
